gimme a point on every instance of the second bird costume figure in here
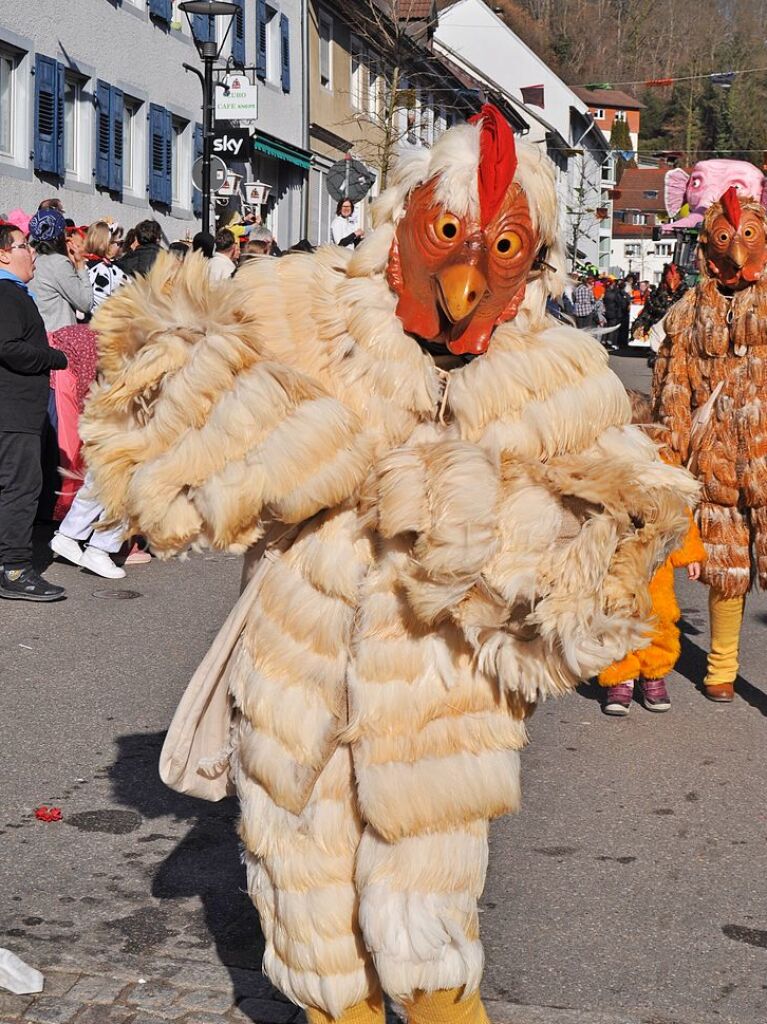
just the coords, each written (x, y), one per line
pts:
(709, 386)
(457, 523)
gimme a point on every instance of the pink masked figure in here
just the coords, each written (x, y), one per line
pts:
(708, 180)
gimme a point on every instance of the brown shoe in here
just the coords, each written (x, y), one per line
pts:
(722, 693)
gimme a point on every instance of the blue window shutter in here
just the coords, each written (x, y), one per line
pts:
(116, 111)
(168, 158)
(162, 9)
(285, 52)
(261, 38)
(47, 115)
(196, 194)
(203, 28)
(238, 36)
(157, 155)
(103, 134)
(60, 152)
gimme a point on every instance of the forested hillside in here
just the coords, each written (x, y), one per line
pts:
(628, 42)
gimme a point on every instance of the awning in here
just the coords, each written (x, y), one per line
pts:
(282, 151)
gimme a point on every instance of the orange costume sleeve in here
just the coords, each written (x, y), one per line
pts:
(692, 549)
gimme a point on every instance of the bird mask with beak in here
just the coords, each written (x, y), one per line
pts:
(457, 276)
(733, 241)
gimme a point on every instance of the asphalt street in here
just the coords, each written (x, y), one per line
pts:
(631, 885)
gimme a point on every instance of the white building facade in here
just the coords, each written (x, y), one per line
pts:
(97, 109)
(470, 33)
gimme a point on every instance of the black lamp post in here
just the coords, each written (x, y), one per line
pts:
(209, 50)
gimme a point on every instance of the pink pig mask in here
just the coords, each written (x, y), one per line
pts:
(707, 182)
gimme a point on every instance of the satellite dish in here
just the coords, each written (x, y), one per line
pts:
(349, 179)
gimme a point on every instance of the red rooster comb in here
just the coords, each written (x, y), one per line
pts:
(731, 206)
(497, 159)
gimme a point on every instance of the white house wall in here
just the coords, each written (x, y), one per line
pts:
(470, 29)
(121, 45)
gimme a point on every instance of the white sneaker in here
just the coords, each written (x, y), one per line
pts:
(99, 562)
(66, 548)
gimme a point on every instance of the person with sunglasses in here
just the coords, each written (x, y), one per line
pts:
(26, 360)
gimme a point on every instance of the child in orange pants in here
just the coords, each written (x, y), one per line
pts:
(650, 665)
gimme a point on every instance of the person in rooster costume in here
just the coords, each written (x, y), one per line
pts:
(709, 386)
(447, 519)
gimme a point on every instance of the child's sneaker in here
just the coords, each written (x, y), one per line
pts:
(655, 695)
(618, 698)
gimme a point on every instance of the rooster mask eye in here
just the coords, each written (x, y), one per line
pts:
(455, 279)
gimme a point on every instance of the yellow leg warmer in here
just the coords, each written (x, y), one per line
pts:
(371, 1011)
(445, 1007)
(726, 615)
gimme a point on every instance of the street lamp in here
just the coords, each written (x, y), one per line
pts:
(209, 50)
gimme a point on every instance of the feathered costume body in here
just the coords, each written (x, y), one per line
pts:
(442, 551)
(709, 389)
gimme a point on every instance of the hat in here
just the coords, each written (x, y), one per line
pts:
(19, 219)
(47, 225)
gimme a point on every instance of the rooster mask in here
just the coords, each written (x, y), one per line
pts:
(457, 275)
(734, 241)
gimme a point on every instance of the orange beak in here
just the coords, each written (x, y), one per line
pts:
(460, 289)
(737, 254)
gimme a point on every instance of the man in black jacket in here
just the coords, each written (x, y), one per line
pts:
(26, 360)
(141, 259)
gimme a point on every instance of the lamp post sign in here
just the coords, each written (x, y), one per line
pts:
(236, 99)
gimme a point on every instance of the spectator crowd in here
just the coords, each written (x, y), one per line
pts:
(54, 274)
(621, 310)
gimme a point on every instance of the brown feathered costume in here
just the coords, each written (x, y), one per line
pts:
(709, 388)
(444, 549)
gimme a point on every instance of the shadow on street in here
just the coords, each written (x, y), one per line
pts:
(205, 864)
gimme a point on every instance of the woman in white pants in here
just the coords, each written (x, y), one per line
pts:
(80, 524)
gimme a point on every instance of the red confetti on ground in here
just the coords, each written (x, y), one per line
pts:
(48, 813)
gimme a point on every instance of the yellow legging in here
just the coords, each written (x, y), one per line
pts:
(726, 614)
(441, 1007)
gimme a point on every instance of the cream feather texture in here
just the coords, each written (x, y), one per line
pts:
(462, 547)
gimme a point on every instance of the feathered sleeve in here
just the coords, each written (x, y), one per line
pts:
(671, 386)
(195, 434)
(544, 566)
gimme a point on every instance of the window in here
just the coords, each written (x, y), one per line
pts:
(599, 114)
(427, 122)
(132, 146)
(8, 105)
(356, 88)
(76, 128)
(374, 85)
(664, 248)
(639, 218)
(632, 249)
(651, 193)
(414, 117)
(72, 99)
(326, 50)
(440, 122)
(272, 29)
(179, 163)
